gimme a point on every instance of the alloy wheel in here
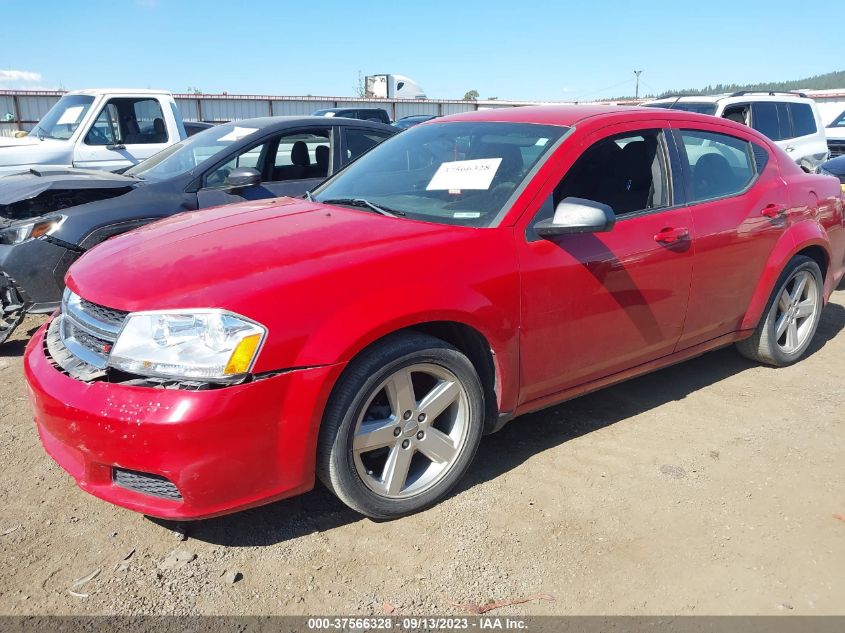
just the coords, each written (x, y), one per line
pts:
(796, 311)
(411, 431)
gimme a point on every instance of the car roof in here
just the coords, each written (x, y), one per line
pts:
(737, 96)
(321, 121)
(119, 91)
(355, 107)
(567, 115)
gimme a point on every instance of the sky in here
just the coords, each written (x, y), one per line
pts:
(555, 51)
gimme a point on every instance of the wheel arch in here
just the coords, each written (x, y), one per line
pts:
(808, 239)
(469, 339)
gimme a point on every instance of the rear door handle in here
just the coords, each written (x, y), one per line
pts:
(671, 235)
(774, 211)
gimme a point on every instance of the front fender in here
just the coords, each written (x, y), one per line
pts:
(350, 329)
(794, 240)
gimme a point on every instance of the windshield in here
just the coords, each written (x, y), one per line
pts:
(187, 155)
(63, 118)
(838, 121)
(451, 172)
(686, 106)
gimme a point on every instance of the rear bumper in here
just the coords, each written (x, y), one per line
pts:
(224, 449)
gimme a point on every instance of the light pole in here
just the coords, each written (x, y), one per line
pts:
(637, 93)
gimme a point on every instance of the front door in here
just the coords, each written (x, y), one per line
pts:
(596, 304)
(125, 132)
(290, 164)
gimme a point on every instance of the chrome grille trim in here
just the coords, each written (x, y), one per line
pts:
(85, 314)
(62, 356)
(85, 332)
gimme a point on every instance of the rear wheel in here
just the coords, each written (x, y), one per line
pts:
(791, 318)
(401, 427)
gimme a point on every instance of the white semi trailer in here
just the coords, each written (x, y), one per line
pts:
(392, 87)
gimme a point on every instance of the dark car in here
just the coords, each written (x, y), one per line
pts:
(364, 114)
(835, 167)
(415, 119)
(49, 217)
(194, 127)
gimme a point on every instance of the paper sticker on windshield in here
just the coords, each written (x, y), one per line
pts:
(238, 133)
(465, 174)
(70, 116)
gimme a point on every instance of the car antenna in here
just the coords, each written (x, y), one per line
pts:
(678, 98)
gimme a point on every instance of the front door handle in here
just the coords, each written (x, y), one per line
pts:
(672, 235)
(789, 148)
(774, 211)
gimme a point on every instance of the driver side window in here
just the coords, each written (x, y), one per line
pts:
(247, 158)
(628, 172)
(106, 128)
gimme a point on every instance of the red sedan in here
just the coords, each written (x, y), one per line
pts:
(466, 271)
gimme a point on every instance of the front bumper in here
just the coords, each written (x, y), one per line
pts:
(224, 449)
(37, 268)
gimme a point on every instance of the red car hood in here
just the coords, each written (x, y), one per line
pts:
(224, 256)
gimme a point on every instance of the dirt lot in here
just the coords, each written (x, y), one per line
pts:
(709, 488)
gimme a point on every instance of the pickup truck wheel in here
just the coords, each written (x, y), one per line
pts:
(791, 317)
(401, 426)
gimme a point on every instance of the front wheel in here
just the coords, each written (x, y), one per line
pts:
(11, 309)
(401, 427)
(791, 318)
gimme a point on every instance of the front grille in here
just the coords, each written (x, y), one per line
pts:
(80, 339)
(837, 148)
(114, 318)
(146, 483)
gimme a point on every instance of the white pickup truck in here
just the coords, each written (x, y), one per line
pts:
(97, 129)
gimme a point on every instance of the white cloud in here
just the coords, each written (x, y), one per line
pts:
(13, 78)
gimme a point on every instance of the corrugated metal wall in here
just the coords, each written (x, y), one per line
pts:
(21, 110)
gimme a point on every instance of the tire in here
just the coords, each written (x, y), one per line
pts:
(387, 449)
(11, 309)
(784, 310)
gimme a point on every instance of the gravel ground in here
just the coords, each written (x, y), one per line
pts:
(714, 487)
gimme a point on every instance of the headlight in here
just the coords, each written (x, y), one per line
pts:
(18, 233)
(208, 345)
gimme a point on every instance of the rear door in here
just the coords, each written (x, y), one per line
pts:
(736, 200)
(596, 304)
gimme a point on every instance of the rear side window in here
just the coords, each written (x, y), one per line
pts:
(718, 165)
(766, 121)
(361, 141)
(761, 157)
(803, 121)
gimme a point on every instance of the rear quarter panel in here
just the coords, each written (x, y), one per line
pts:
(815, 218)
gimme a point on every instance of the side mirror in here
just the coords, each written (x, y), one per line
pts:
(577, 215)
(241, 177)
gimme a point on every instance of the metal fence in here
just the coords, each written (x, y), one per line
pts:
(22, 109)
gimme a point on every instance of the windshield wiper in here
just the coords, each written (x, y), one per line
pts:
(307, 196)
(365, 204)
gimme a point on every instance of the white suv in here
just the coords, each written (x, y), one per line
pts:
(835, 132)
(790, 119)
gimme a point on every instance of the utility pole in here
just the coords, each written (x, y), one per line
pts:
(637, 93)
